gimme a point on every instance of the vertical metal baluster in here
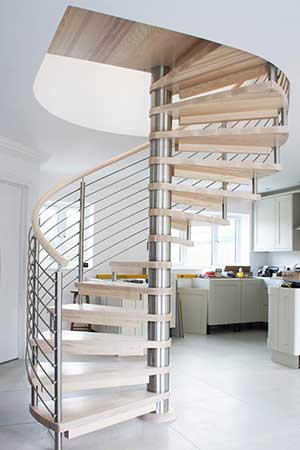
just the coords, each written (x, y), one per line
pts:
(224, 184)
(160, 251)
(34, 396)
(273, 77)
(254, 185)
(58, 356)
(81, 235)
(188, 230)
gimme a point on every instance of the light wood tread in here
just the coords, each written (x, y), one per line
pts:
(185, 217)
(241, 169)
(107, 372)
(105, 344)
(108, 315)
(171, 239)
(179, 225)
(118, 289)
(259, 100)
(210, 148)
(123, 265)
(221, 62)
(265, 136)
(185, 120)
(197, 192)
(89, 413)
(219, 79)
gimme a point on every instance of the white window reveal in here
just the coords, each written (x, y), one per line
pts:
(217, 245)
(60, 223)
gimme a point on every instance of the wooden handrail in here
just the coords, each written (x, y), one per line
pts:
(61, 261)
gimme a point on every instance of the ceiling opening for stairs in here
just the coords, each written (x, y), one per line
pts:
(97, 71)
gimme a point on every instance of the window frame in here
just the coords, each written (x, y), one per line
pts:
(238, 257)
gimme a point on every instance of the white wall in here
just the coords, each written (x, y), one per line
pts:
(281, 259)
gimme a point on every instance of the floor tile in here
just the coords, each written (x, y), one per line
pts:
(226, 391)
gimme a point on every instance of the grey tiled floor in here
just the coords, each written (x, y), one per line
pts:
(227, 394)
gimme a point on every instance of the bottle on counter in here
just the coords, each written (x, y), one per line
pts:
(240, 273)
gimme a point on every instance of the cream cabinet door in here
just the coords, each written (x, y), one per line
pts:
(253, 301)
(264, 225)
(224, 303)
(273, 318)
(285, 309)
(194, 310)
(284, 223)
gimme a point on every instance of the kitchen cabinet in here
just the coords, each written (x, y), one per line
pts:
(274, 223)
(235, 301)
(283, 223)
(284, 325)
(254, 300)
(194, 309)
(224, 302)
(263, 225)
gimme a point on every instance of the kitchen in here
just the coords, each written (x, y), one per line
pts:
(248, 294)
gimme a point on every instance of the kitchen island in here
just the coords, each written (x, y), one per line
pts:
(284, 326)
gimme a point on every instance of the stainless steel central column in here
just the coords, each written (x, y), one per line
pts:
(160, 251)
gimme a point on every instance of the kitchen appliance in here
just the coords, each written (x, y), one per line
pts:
(297, 268)
(267, 271)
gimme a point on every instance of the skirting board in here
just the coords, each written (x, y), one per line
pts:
(286, 359)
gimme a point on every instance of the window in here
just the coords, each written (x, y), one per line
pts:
(176, 250)
(60, 223)
(225, 241)
(201, 253)
(217, 245)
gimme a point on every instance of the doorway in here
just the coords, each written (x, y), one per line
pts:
(11, 236)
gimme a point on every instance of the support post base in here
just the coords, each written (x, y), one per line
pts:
(168, 417)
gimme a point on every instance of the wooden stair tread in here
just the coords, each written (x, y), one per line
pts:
(181, 216)
(195, 192)
(219, 79)
(108, 315)
(123, 265)
(185, 120)
(266, 97)
(107, 372)
(266, 136)
(105, 344)
(186, 198)
(220, 62)
(117, 289)
(89, 413)
(171, 239)
(241, 169)
(210, 148)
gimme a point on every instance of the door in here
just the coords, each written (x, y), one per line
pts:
(253, 293)
(264, 225)
(286, 297)
(10, 229)
(224, 304)
(284, 226)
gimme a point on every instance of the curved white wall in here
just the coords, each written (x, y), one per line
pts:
(93, 95)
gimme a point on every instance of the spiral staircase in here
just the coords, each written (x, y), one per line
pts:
(218, 119)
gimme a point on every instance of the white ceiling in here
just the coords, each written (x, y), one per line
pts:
(269, 29)
(93, 95)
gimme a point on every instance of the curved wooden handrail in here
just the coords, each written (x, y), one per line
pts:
(61, 261)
